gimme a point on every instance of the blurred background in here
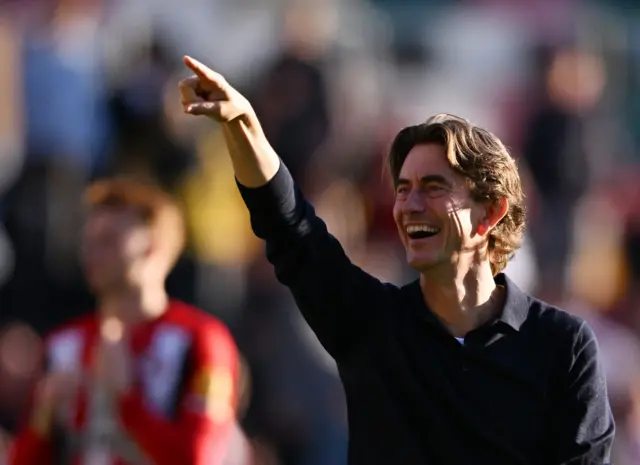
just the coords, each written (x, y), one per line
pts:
(88, 89)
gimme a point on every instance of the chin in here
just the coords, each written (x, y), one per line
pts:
(422, 262)
(101, 286)
(97, 287)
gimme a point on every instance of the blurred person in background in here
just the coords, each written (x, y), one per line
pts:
(292, 98)
(556, 154)
(150, 143)
(19, 367)
(145, 146)
(19, 363)
(59, 61)
(460, 214)
(145, 378)
(629, 200)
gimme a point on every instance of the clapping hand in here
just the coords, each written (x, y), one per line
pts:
(113, 369)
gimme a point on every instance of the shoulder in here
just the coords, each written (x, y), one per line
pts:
(81, 324)
(193, 319)
(564, 332)
(74, 330)
(63, 346)
(204, 330)
(555, 319)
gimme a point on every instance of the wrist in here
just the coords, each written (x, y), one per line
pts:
(245, 126)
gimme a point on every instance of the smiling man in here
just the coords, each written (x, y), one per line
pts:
(460, 366)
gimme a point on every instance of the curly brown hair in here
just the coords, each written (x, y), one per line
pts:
(483, 159)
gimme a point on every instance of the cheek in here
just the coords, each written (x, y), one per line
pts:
(397, 213)
(456, 219)
(136, 246)
(463, 222)
(443, 208)
(104, 257)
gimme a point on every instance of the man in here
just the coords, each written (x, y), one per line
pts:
(146, 379)
(460, 366)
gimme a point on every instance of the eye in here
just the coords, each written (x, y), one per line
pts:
(436, 190)
(402, 190)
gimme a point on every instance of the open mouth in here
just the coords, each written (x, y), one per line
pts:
(421, 231)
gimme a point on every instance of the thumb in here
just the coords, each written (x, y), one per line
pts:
(212, 109)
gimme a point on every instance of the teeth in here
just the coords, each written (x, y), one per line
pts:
(414, 228)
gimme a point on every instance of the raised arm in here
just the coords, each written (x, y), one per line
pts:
(336, 298)
(207, 93)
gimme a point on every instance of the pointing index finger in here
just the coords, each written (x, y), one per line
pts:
(201, 70)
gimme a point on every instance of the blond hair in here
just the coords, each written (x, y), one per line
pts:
(485, 162)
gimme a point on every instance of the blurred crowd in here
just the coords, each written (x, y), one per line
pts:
(88, 89)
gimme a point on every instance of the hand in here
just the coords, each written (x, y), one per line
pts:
(113, 368)
(208, 93)
(54, 395)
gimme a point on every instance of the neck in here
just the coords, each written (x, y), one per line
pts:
(463, 298)
(134, 305)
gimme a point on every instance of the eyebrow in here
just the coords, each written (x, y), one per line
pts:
(432, 178)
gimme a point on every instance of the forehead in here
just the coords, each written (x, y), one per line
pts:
(426, 159)
(113, 219)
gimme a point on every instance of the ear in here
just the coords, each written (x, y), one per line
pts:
(494, 212)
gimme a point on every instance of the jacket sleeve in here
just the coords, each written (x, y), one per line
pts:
(582, 429)
(336, 297)
(206, 412)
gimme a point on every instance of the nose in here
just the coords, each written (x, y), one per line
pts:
(414, 202)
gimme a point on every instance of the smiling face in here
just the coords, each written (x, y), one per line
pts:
(437, 219)
(458, 193)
